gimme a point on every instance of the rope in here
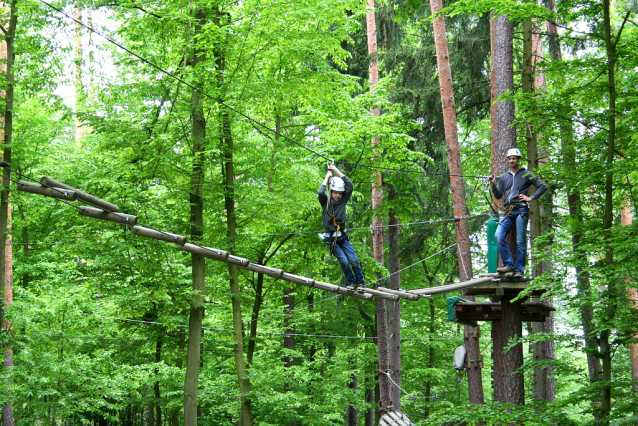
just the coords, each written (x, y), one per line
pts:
(435, 397)
(416, 263)
(247, 117)
(423, 172)
(429, 222)
(5, 165)
(219, 101)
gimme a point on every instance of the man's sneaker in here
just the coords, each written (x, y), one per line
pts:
(505, 270)
(518, 276)
(361, 287)
(351, 287)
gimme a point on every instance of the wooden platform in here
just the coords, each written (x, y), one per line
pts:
(502, 284)
(491, 311)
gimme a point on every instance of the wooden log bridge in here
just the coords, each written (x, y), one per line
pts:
(106, 211)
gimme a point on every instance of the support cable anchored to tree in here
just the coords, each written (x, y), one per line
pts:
(66, 193)
(428, 222)
(70, 194)
(222, 103)
(182, 81)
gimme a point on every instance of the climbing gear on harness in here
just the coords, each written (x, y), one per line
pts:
(333, 238)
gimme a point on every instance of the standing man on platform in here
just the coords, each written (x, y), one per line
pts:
(513, 187)
(334, 225)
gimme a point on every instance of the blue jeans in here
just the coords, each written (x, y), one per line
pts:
(348, 260)
(519, 219)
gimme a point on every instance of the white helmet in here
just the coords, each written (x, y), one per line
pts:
(337, 184)
(514, 152)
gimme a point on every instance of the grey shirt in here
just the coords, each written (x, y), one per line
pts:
(510, 186)
(334, 208)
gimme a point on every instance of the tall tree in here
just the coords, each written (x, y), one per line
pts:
(384, 366)
(198, 133)
(508, 382)
(8, 27)
(457, 184)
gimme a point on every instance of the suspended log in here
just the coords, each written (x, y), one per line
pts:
(36, 188)
(266, 270)
(159, 235)
(126, 219)
(403, 294)
(308, 282)
(452, 287)
(381, 294)
(82, 196)
(205, 251)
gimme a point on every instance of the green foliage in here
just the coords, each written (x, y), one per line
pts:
(100, 315)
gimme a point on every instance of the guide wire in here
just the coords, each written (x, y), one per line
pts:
(429, 222)
(423, 172)
(168, 73)
(416, 263)
(236, 111)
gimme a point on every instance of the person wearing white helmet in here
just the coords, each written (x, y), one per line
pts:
(512, 187)
(334, 224)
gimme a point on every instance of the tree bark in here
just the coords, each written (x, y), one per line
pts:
(609, 294)
(508, 385)
(543, 351)
(377, 233)
(509, 388)
(457, 185)
(193, 357)
(394, 308)
(626, 219)
(6, 254)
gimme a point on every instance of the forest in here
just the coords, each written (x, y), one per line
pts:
(216, 120)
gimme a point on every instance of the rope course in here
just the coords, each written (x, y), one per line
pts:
(105, 210)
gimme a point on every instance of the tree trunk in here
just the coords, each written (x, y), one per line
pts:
(626, 219)
(611, 302)
(457, 185)
(508, 385)
(80, 92)
(6, 260)
(156, 387)
(542, 351)
(259, 298)
(181, 343)
(377, 233)
(352, 414)
(196, 233)
(509, 388)
(245, 416)
(575, 210)
(394, 311)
